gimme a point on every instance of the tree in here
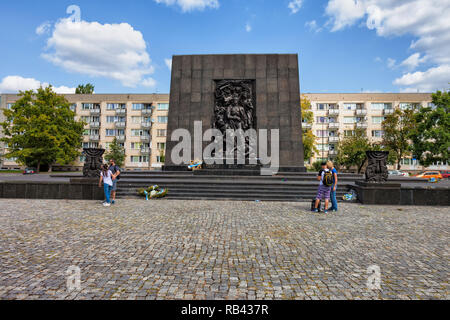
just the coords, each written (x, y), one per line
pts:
(397, 128)
(85, 89)
(309, 139)
(431, 135)
(116, 152)
(40, 129)
(352, 150)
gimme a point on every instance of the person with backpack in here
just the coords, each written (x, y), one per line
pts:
(106, 177)
(115, 178)
(326, 181)
(334, 205)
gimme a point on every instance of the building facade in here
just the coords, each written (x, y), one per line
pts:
(139, 122)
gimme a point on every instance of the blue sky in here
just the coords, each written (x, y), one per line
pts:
(125, 46)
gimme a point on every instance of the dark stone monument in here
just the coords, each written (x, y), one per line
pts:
(93, 163)
(238, 91)
(377, 171)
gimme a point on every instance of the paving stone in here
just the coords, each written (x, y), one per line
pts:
(220, 250)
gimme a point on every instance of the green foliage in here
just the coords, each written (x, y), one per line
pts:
(397, 128)
(40, 129)
(162, 155)
(352, 150)
(85, 89)
(431, 135)
(317, 165)
(116, 152)
(309, 139)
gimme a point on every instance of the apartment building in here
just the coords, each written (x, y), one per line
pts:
(337, 115)
(139, 122)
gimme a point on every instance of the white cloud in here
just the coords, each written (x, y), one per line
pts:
(426, 20)
(295, 6)
(427, 81)
(413, 61)
(391, 63)
(168, 63)
(149, 82)
(190, 5)
(312, 25)
(248, 27)
(14, 84)
(114, 51)
(378, 59)
(43, 28)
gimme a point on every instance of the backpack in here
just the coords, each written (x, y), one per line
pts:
(328, 179)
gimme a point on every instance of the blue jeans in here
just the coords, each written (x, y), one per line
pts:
(334, 204)
(107, 188)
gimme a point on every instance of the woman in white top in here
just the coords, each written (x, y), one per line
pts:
(106, 177)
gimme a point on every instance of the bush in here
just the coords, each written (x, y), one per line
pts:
(317, 165)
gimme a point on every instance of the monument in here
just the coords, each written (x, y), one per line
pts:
(93, 163)
(238, 91)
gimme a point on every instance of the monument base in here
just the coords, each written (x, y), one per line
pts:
(395, 194)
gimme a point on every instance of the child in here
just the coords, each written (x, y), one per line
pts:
(324, 188)
(106, 176)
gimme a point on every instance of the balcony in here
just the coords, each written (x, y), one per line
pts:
(306, 125)
(145, 138)
(361, 125)
(388, 111)
(333, 125)
(120, 138)
(145, 151)
(361, 112)
(120, 124)
(146, 125)
(94, 138)
(332, 152)
(94, 125)
(147, 111)
(333, 139)
(121, 112)
(333, 112)
(94, 112)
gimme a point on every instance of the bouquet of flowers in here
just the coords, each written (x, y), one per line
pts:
(153, 192)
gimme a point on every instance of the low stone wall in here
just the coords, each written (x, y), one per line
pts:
(75, 190)
(395, 194)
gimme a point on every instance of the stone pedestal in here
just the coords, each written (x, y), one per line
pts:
(378, 193)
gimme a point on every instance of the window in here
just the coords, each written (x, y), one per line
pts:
(377, 133)
(9, 106)
(323, 147)
(350, 120)
(87, 106)
(110, 132)
(112, 106)
(82, 158)
(381, 106)
(159, 158)
(73, 107)
(161, 146)
(162, 132)
(140, 133)
(162, 119)
(350, 106)
(377, 120)
(136, 119)
(349, 133)
(139, 159)
(322, 120)
(409, 105)
(138, 106)
(322, 133)
(163, 106)
(321, 106)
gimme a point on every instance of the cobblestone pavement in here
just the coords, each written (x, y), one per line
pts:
(220, 250)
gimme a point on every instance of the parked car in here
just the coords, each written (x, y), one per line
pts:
(445, 174)
(430, 174)
(398, 173)
(29, 171)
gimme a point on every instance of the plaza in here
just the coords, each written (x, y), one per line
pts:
(168, 249)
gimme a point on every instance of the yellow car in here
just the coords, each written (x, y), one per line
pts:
(430, 174)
